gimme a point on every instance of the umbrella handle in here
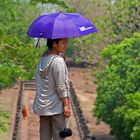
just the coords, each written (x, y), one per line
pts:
(38, 43)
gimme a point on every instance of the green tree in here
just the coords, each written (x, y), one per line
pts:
(95, 11)
(57, 2)
(123, 17)
(116, 84)
(18, 56)
(114, 20)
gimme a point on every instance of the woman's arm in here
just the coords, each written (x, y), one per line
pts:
(59, 73)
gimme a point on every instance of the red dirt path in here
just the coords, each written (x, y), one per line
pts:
(86, 93)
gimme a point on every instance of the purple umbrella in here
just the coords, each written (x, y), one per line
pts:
(60, 25)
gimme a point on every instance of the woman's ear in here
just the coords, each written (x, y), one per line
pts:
(54, 44)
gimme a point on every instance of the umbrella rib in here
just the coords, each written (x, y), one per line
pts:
(75, 25)
(63, 24)
(52, 28)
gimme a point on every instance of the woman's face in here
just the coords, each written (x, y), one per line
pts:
(61, 46)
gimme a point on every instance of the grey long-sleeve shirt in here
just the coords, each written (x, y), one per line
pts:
(51, 84)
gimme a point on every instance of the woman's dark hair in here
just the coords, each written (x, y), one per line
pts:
(50, 43)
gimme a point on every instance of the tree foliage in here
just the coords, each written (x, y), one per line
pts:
(4, 118)
(119, 87)
(123, 17)
(114, 20)
(95, 11)
(60, 3)
(18, 56)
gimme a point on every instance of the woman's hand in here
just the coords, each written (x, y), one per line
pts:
(67, 111)
(66, 106)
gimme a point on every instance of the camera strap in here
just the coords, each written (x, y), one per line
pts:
(67, 123)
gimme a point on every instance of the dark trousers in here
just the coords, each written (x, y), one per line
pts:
(50, 127)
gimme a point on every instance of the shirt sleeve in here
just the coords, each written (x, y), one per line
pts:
(60, 77)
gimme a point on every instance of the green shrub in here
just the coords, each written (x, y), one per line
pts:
(4, 118)
(18, 56)
(9, 74)
(118, 80)
(128, 115)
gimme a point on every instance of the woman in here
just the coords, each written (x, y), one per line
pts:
(51, 102)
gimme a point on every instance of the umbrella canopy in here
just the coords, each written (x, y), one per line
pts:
(60, 25)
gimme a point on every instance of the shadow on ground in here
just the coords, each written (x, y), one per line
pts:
(102, 137)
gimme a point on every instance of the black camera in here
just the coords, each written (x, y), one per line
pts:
(66, 132)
